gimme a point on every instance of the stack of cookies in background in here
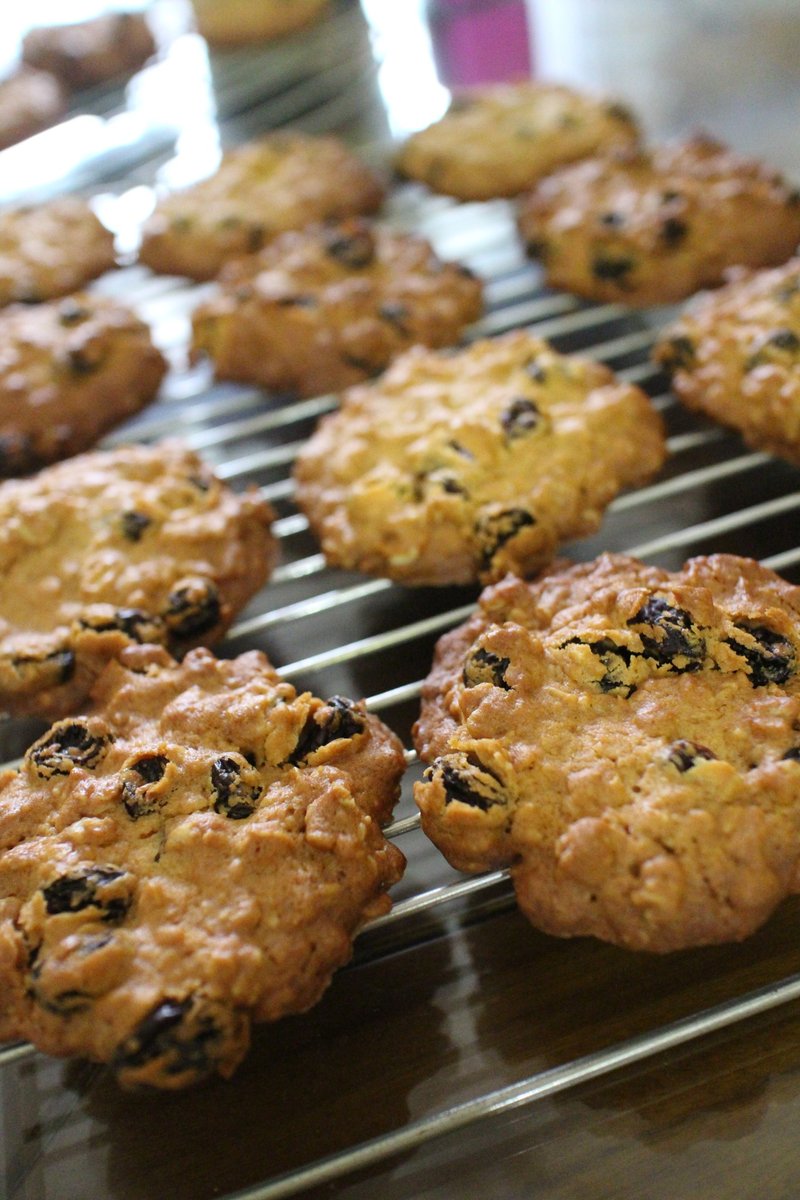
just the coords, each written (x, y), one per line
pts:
(195, 842)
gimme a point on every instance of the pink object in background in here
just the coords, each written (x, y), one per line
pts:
(479, 41)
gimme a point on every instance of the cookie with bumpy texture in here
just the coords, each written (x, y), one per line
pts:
(138, 544)
(51, 249)
(193, 853)
(329, 306)
(653, 227)
(498, 141)
(462, 466)
(283, 181)
(735, 355)
(627, 740)
(90, 52)
(70, 370)
(30, 101)
(237, 22)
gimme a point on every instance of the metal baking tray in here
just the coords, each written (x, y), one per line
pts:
(456, 1024)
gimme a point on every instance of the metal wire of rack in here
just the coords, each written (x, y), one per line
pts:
(337, 632)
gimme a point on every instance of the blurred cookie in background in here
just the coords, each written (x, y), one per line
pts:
(30, 101)
(90, 52)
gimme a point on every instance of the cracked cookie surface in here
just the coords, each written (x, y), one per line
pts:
(655, 226)
(734, 355)
(464, 465)
(498, 141)
(70, 370)
(329, 306)
(627, 740)
(283, 181)
(138, 544)
(51, 249)
(193, 853)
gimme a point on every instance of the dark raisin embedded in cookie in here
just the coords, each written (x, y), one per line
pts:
(67, 745)
(337, 718)
(44, 670)
(136, 624)
(613, 267)
(520, 418)
(770, 657)
(108, 890)
(193, 609)
(494, 530)
(673, 231)
(684, 754)
(180, 1040)
(72, 312)
(137, 776)
(237, 787)
(678, 353)
(482, 666)
(675, 641)
(467, 780)
(353, 250)
(616, 660)
(134, 524)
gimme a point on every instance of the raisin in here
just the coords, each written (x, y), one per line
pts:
(614, 268)
(193, 608)
(678, 353)
(49, 670)
(684, 755)
(676, 635)
(95, 887)
(618, 112)
(134, 524)
(784, 339)
(63, 1004)
(669, 197)
(136, 777)
(521, 417)
(482, 666)
(353, 250)
(17, 454)
(771, 660)
(296, 302)
(791, 755)
(136, 624)
(338, 718)
(537, 248)
(462, 451)
(615, 659)
(72, 313)
(496, 529)
(611, 220)
(84, 360)
(176, 1037)
(201, 482)
(362, 364)
(256, 235)
(673, 231)
(467, 780)
(396, 315)
(237, 787)
(67, 745)
(535, 371)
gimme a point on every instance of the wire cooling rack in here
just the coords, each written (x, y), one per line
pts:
(336, 632)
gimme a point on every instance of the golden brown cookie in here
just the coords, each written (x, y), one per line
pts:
(284, 181)
(30, 101)
(139, 544)
(192, 854)
(462, 466)
(331, 305)
(498, 141)
(735, 355)
(70, 370)
(236, 22)
(90, 52)
(651, 228)
(51, 249)
(626, 740)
